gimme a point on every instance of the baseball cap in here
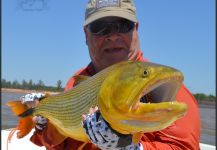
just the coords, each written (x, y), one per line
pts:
(97, 9)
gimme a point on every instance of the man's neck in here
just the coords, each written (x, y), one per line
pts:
(136, 56)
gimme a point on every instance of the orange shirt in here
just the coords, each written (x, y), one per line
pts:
(183, 134)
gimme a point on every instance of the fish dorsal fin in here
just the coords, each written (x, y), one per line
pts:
(79, 78)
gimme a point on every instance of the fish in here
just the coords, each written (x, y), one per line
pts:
(118, 91)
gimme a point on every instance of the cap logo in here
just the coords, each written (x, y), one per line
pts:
(107, 3)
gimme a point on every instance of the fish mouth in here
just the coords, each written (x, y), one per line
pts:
(160, 91)
(150, 113)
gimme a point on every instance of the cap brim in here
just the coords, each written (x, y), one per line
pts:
(113, 13)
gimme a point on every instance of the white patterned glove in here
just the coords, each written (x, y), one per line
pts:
(30, 100)
(41, 122)
(104, 137)
(32, 97)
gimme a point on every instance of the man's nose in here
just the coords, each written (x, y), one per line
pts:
(114, 36)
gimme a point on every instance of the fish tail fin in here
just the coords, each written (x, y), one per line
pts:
(17, 107)
(25, 124)
(24, 127)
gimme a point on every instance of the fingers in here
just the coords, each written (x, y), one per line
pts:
(41, 122)
(102, 135)
(32, 99)
(93, 126)
(97, 128)
(91, 111)
(88, 121)
(99, 132)
(32, 104)
(88, 127)
(34, 119)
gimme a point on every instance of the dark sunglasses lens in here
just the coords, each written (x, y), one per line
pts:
(104, 27)
(97, 27)
(126, 26)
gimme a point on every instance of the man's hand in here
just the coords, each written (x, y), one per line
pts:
(41, 122)
(103, 136)
(32, 100)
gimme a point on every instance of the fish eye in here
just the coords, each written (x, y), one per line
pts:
(145, 73)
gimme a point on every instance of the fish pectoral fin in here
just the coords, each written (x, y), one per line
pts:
(136, 137)
(52, 136)
(79, 78)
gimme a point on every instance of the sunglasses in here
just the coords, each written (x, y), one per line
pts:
(103, 27)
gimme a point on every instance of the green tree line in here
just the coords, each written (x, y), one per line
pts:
(30, 85)
(204, 97)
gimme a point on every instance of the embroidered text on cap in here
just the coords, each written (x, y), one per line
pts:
(107, 3)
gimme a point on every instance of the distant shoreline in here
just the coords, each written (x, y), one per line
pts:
(201, 103)
(26, 91)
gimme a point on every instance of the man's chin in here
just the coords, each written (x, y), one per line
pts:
(113, 61)
(114, 56)
(116, 51)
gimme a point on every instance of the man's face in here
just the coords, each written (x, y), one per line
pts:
(109, 41)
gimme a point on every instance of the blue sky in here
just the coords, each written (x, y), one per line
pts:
(44, 39)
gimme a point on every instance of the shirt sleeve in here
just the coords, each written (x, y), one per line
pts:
(71, 82)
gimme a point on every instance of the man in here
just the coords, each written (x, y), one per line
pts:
(111, 36)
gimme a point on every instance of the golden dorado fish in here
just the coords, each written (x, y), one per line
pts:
(117, 91)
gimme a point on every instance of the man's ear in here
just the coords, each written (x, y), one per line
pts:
(137, 26)
(85, 32)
